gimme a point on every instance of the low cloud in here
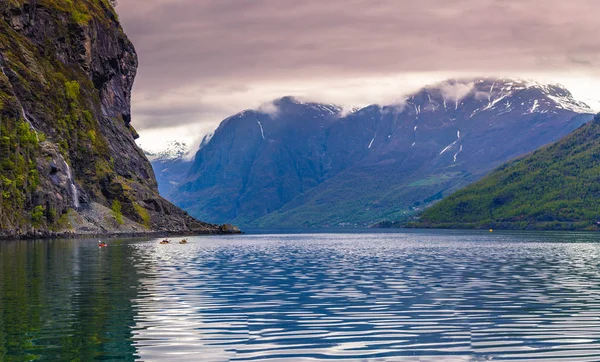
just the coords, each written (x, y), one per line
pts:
(396, 107)
(269, 108)
(455, 91)
(201, 61)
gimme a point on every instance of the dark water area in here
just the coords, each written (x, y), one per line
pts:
(354, 296)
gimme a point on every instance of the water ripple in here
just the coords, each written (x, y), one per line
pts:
(380, 297)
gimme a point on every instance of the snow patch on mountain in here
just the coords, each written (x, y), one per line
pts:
(535, 106)
(262, 130)
(175, 150)
(458, 153)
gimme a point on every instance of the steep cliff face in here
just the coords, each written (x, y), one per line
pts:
(68, 160)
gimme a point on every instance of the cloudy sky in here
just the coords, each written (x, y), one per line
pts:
(204, 60)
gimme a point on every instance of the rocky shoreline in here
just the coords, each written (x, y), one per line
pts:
(42, 235)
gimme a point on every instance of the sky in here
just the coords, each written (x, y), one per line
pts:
(204, 60)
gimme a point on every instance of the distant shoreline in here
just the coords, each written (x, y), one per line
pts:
(73, 235)
(546, 226)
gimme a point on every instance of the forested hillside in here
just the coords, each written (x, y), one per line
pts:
(556, 187)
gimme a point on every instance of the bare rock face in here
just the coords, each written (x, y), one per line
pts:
(229, 229)
(65, 124)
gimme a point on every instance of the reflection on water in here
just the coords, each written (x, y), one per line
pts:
(419, 296)
(66, 301)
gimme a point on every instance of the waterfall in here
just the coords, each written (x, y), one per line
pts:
(2, 68)
(75, 195)
(28, 121)
(23, 114)
(74, 191)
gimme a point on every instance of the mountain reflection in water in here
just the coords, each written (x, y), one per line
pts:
(418, 295)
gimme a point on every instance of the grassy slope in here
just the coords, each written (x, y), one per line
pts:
(363, 197)
(556, 187)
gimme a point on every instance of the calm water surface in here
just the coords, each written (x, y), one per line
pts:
(417, 296)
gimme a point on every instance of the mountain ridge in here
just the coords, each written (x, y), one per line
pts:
(170, 165)
(302, 163)
(174, 150)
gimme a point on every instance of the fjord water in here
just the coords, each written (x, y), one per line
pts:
(414, 296)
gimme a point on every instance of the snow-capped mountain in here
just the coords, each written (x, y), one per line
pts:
(502, 94)
(301, 163)
(173, 151)
(170, 165)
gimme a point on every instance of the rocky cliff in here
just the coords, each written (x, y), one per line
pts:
(68, 160)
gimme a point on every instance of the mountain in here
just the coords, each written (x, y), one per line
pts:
(170, 165)
(309, 164)
(555, 187)
(69, 163)
(257, 162)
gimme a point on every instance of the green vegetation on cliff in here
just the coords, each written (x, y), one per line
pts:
(48, 82)
(556, 187)
(18, 174)
(81, 11)
(67, 147)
